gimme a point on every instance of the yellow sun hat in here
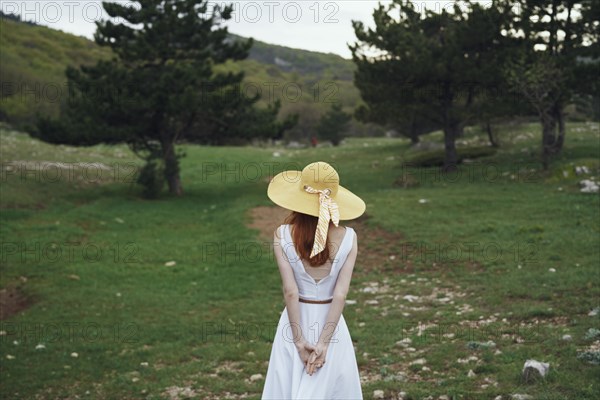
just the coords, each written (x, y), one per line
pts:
(316, 191)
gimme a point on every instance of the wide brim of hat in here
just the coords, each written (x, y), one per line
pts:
(285, 191)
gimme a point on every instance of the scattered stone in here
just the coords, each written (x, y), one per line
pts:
(74, 355)
(74, 277)
(119, 220)
(552, 270)
(419, 361)
(410, 298)
(350, 302)
(518, 396)
(170, 264)
(471, 374)
(589, 186)
(40, 347)
(533, 369)
(423, 201)
(10, 357)
(481, 345)
(567, 338)
(143, 364)
(594, 312)
(581, 170)
(256, 377)
(372, 302)
(378, 394)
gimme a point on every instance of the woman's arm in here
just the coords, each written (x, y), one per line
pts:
(290, 294)
(339, 296)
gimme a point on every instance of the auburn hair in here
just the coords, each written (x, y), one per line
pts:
(303, 236)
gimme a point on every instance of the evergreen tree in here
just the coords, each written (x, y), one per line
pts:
(558, 57)
(160, 88)
(430, 66)
(334, 124)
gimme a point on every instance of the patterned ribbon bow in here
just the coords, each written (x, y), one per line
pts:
(328, 210)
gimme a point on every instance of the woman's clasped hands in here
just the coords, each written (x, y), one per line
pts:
(312, 356)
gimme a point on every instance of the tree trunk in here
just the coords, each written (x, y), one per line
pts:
(414, 134)
(548, 140)
(451, 132)
(172, 168)
(414, 139)
(488, 127)
(560, 138)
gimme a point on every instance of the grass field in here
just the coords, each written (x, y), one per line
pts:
(498, 252)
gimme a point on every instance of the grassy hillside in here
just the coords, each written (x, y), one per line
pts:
(125, 298)
(35, 58)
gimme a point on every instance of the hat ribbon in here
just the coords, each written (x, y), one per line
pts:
(328, 210)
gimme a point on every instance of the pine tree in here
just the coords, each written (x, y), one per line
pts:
(334, 124)
(414, 67)
(160, 88)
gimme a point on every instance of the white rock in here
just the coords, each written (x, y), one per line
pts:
(410, 298)
(372, 302)
(256, 377)
(518, 396)
(535, 367)
(589, 186)
(567, 337)
(552, 270)
(74, 355)
(40, 347)
(595, 311)
(423, 201)
(170, 264)
(471, 374)
(419, 361)
(378, 394)
(350, 302)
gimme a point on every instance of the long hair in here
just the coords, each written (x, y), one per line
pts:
(303, 236)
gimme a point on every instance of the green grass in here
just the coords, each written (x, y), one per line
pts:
(169, 316)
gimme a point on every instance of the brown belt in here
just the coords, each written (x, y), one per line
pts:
(315, 301)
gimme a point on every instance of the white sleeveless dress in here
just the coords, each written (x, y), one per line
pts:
(286, 377)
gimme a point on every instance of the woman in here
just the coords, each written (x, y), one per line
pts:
(312, 356)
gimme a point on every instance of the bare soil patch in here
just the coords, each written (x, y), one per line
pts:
(12, 301)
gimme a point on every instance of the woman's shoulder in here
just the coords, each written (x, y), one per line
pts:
(278, 232)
